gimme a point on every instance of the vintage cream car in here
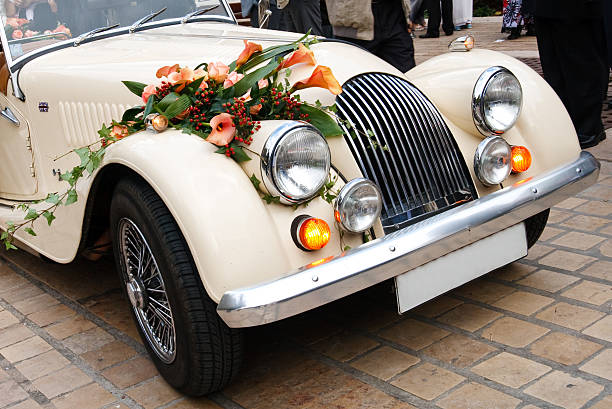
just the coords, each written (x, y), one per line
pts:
(450, 175)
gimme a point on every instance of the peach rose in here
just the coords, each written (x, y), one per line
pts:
(262, 83)
(223, 130)
(30, 33)
(12, 21)
(232, 79)
(249, 50)
(119, 132)
(321, 77)
(17, 34)
(167, 70)
(199, 73)
(148, 91)
(217, 71)
(254, 110)
(301, 55)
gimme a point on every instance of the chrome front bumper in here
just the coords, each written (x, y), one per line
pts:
(330, 279)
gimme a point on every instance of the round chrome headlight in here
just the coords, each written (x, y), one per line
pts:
(496, 101)
(492, 161)
(358, 205)
(295, 162)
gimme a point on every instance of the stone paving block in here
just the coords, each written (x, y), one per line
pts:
(513, 332)
(606, 248)
(62, 381)
(27, 404)
(557, 215)
(437, 306)
(483, 291)
(601, 365)
(590, 292)
(564, 390)
(131, 372)
(7, 319)
(550, 233)
(413, 334)
(469, 317)
(523, 302)
(370, 320)
(510, 370)
(10, 392)
(69, 327)
(512, 272)
(602, 329)
(595, 207)
(476, 396)
(25, 349)
(110, 354)
(385, 362)
(598, 191)
(600, 269)
(51, 315)
(88, 341)
(199, 403)
(570, 316)
(563, 348)
(566, 260)
(607, 230)
(548, 280)
(42, 365)
(458, 350)
(571, 203)
(10, 281)
(153, 394)
(115, 310)
(428, 381)
(34, 304)
(20, 293)
(4, 376)
(577, 240)
(605, 403)
(345, 346)
(538, 251)
(586, 223)
(92, 396)
(367, 398)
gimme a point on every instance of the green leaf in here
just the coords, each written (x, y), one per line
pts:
(32, 214)
(30, 231)
(52, 198)
(4, 235)
(256, 182)
(322, 121)
(249, 80)
(70, 198)
(239, 154)
(9, 245)
(136, 87)
(49, 216)
(167, 101)
(270, 52)
(148, 107)
(178, 106)
(83, 155)
(346, 248)
(130, 114)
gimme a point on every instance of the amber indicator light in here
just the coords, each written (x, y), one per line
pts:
(314, 233)
(521, 159)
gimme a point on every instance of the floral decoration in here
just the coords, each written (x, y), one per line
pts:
(19, 28)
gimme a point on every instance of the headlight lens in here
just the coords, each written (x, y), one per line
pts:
(497, 101)
(358, 205)
(492, 161)
(295, 162)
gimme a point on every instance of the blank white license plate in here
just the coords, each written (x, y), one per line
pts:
(454, 269)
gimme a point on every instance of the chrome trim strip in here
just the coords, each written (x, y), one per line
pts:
(315, 285)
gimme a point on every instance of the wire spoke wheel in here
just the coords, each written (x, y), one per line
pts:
(146, 291)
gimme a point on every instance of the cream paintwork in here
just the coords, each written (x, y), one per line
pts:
(236, 239)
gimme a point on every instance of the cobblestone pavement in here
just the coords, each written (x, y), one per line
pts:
(534, 334)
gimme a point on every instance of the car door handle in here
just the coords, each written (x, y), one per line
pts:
(8, 114)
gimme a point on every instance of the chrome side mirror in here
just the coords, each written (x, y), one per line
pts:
(264, 13)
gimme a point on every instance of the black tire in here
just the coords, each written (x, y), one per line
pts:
(534, 227)
(207, 353)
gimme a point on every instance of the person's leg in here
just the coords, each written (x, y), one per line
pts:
(304, 15)
(433, 25)
(447, 17)
(391, 33)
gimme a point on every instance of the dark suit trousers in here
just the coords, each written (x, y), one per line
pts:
(433, 25)
(575, 66)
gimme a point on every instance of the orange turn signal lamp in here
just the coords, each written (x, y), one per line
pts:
(521, 159)
(310, 233)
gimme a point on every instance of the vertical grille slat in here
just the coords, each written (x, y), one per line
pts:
(421, 172)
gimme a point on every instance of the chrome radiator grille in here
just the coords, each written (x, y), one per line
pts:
(401, 142)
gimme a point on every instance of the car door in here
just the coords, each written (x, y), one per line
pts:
(17, 174)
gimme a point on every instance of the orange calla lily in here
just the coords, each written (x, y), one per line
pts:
(249, 50)
(167, 70)
(321, 77)
(223, 130)
(301, 55)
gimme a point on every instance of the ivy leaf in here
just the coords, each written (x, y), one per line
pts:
(83, 155)
(32, 214)
(322, 121)
(178, 106)
(49, 216)
(4, 235)
(136, 87)
(131, 114)
(256, 182)
(52, 198)
(70, 198)
(9, 245)
(30, 231)
(271, 199)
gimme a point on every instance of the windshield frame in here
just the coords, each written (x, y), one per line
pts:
(15, 65)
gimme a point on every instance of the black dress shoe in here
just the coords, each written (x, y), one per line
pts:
(429, 35)
(449, 33)
(588, 141)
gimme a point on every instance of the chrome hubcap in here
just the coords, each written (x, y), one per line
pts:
(146, 291)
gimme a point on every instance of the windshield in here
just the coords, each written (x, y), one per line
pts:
(32, 24)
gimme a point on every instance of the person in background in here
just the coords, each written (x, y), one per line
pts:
(380, 26)
(575, 64)
(302, 15)
(250, 9)
(433, 25)
(25, 8)
(462, 13)
(417, 14)
(512, 18)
